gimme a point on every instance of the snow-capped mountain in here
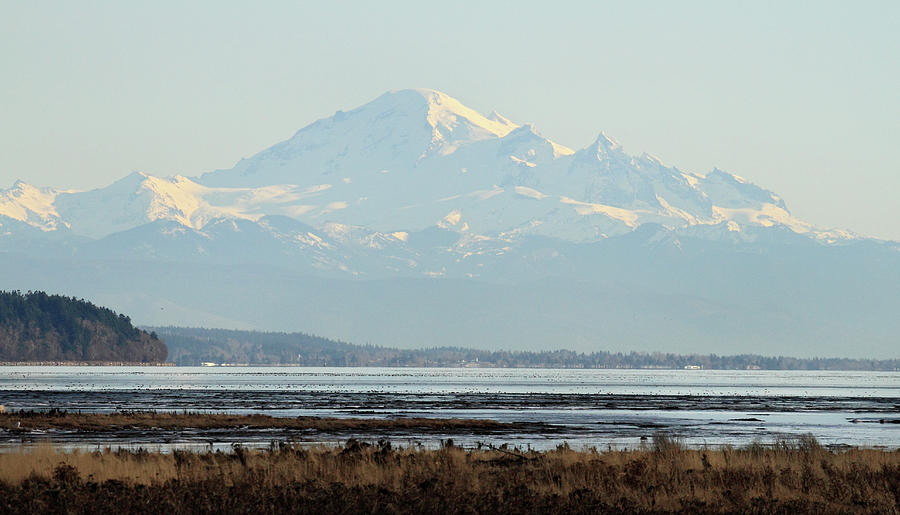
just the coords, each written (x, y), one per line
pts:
(415, 159)
(33, 206)
(415, 185)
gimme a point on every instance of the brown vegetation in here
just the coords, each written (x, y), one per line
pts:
(56, 419)
(359, 478)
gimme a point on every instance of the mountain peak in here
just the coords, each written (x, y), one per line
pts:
(528, 132)
(606, 142)
(445, 114)
(21, 187)
(395, 131)
(602, 148)
(128, 182)
(30, 204)
(494, 116)
(413, 155)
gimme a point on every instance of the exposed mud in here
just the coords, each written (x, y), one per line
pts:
(535, 420)
(376, 402)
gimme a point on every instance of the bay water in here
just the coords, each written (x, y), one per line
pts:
(584, 408)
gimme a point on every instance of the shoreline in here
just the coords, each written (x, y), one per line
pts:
(85, 364)
(429, 367)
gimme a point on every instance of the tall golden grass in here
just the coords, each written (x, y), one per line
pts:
(789, 477)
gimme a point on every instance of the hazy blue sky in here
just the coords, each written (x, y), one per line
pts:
(800, 97)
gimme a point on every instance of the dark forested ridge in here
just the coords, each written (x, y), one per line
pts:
(37, 327)
(192, 346)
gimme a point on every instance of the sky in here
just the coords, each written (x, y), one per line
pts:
(802, 98)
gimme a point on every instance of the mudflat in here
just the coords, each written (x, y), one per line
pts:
(18, 421)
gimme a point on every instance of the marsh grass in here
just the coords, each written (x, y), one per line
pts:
(789, 476)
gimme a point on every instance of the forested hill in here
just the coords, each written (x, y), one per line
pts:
(35, 326)
(192, 346)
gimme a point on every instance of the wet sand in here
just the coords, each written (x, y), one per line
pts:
(131, 419)
(540, 408)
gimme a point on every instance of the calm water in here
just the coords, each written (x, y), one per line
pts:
(582, 407)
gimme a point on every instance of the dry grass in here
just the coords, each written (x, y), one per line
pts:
(787, 477)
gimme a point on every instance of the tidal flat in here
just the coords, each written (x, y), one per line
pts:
(543, 408)
(179, 431)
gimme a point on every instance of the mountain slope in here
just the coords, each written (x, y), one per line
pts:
(414, 219)
(395, 132)
(414, 159)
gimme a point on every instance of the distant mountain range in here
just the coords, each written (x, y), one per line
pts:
(414, 220)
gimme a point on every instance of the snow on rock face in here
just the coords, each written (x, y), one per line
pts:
(141, 198)
(416, 159)
(732, 191)
(135, 200)
(443, 156)
(394, 131)
(455, 124)
(31, 205)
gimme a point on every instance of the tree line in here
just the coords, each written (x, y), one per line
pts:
(192, 346)
(36, 326)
